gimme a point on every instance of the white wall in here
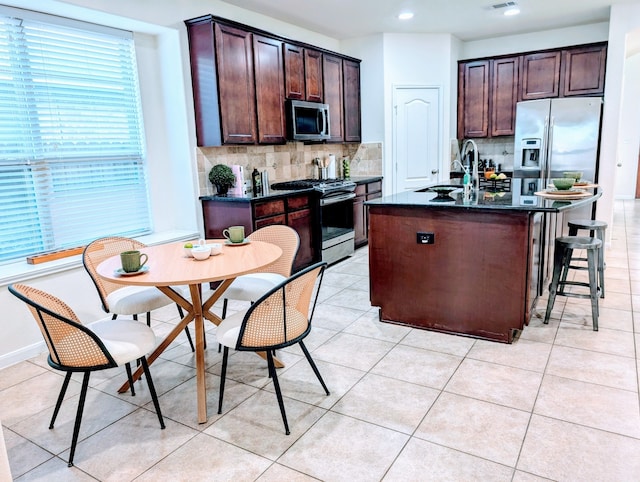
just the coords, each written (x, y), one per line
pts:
(548, 39)
(629, 131)
(624, 21)
(416, 60)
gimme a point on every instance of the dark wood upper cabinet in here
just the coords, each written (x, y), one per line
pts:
(333, 96)
(241, 77)
(236, 84)
(313, 75)
(583, 70)
(489, 89)
(294, 72)
(504, 95)
(269, 80)
(473, 100)
(351, 89)
(541, 75)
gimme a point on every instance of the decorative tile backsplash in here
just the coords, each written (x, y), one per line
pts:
(498, 149)
(293, 160)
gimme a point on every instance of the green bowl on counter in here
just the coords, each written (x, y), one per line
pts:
(564, 183)
(577, 175)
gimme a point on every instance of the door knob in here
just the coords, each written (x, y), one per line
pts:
(435, 171)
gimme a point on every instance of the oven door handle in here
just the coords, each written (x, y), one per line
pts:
(326, 201)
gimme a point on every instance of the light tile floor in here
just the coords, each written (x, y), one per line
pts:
(560, 403)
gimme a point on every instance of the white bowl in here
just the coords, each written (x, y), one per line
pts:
(187, 252)
(201, 252)
(216, 248)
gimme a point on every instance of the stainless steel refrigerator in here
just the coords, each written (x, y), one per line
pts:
(557, 135)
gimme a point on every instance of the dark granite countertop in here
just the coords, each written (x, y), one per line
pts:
(521, 197)
(280, 194)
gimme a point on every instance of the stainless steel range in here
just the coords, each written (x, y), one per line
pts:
(334, 209)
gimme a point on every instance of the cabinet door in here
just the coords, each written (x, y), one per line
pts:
(540, 75)
(204, 83)
(473, 101)
(294, 72)
(504, 95)
(359, 221)
(236, 84)
(332, 80)
(583, 70)
(313, 75)
(302, 222)
(269, 77)
(352, 124)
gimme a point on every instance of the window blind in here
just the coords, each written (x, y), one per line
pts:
(72, 156)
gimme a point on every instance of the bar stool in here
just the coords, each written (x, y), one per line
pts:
(599, 228)
(564, 247)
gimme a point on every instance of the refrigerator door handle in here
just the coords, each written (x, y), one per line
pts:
(547, 166)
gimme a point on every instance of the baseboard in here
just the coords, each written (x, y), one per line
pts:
(22, 354)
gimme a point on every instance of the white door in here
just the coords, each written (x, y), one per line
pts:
(416, 137)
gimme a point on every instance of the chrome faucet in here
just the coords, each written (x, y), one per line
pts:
(475, 174)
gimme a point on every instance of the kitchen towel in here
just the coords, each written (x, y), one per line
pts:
(331, 169)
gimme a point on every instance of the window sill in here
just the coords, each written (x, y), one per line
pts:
(22, 271)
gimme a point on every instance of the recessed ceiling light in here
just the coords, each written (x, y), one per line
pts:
(405, 16)
(512, 11)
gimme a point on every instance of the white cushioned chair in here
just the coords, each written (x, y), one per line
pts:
(250, 287)
(119, 299)
(280, 318)
(77, 348)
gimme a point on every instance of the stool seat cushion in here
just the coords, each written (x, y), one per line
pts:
(579, 242)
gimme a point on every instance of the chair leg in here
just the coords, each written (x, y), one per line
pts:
(149, 318)
(557, 268)
(76, 426)
(63, 390)
(152, 390)
(135, 317)
(127, 367)
(276, 385)
(223, 376)
(313, 366)
(114, 316)
(224, 315)
(592, 256)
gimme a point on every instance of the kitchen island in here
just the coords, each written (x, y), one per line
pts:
(473, 267)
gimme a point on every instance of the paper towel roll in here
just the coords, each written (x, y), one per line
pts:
(331, 170)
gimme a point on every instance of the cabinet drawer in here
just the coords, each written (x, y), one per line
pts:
(297, 202)
(261, 223)
(374, 187)
(269, 208)
(361, 189)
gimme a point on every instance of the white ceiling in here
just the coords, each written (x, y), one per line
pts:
(466, 19)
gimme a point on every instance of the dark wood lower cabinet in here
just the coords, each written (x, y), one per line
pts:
(364, 192)
(295, 211)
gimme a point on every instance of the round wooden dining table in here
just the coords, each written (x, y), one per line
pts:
(168, 267)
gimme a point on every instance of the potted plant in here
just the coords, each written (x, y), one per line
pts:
(222, 177)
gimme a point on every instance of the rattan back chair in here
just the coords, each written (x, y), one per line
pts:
(281, 318)
(252, 286)
(118, 299)
(74, 347)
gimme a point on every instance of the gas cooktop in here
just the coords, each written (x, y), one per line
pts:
(322, 185)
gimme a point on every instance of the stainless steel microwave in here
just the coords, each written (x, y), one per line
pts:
(307, 121)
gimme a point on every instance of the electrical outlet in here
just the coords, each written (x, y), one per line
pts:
(426, 238)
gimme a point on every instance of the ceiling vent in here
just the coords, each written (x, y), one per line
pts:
(498, 6)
